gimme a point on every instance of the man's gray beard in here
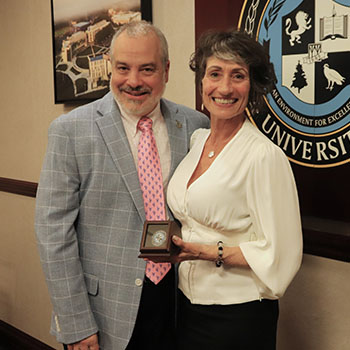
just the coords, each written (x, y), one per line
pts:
(136, 102)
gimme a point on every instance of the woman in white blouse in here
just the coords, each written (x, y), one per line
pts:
(236, 198)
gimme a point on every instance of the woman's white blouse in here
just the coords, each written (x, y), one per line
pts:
(247, 198)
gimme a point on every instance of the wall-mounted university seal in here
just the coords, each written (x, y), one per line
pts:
(308, 112)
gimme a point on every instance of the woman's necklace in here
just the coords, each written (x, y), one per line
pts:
(212, 151)
(217, 148)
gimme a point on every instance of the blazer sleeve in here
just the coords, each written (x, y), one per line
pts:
(196, 120)
(275, 256)
(194, 137)
(57, 208)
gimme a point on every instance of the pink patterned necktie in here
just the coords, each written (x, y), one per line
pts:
(151, 182)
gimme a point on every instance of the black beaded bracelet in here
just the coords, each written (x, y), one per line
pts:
(219, 260)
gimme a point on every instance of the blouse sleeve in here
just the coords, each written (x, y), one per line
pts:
(272, 198)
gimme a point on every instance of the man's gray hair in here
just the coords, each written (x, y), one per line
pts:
(141, 28)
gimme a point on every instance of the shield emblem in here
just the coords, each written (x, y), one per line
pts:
(309, 45)
(315, 42)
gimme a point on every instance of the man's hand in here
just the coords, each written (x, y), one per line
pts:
(89, 343)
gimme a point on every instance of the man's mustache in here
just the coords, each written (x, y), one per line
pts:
(139, 89)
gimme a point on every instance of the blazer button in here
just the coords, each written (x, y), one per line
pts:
(138, 282)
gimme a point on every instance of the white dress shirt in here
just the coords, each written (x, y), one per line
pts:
(246, 198)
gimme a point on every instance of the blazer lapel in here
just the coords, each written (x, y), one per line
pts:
(177, 132)
(113, 133)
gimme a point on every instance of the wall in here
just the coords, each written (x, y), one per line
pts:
(26, 100)
(27, 108)
(176, 20)
(314, 312)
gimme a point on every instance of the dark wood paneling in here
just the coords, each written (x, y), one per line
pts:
(323, 192)
(219, 14)
(12, 338)
(326, 237)
(24, 188)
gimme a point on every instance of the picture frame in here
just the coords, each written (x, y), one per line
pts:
(81, 35)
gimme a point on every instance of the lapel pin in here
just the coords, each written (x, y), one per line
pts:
(178, 124)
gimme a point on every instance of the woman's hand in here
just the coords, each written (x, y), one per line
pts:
(232, 256)
(188, 251)
(193, 251)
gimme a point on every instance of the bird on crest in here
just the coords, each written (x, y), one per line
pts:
(332, 76)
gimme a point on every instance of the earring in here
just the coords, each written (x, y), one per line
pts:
(202, 107)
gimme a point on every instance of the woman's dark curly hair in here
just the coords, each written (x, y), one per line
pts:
(239, 47)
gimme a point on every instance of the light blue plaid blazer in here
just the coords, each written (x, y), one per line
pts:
(89, 218)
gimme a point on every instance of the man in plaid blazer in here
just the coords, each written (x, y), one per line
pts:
(90, 211)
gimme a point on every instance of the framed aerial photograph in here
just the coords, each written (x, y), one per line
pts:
(82, 32)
